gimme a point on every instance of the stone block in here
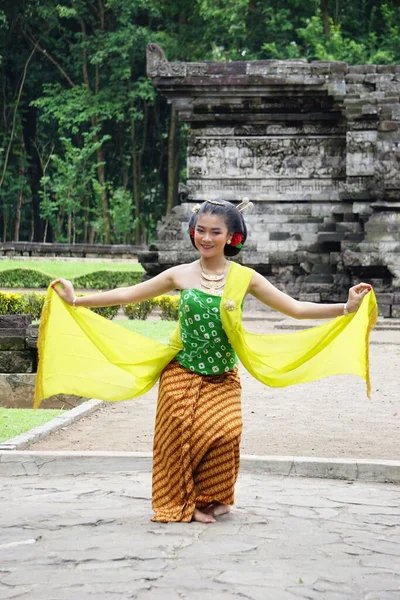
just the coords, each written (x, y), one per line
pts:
(349, 227)
(15, 321)
(355, 77)
(388, 126)
(396, 298)
(384, 298)
(369, 109)
(12, 340)
(324, 238)
(319, 278)
(17, 361)
(279, 235)
(353, 237)
(384, 310)
(305, 297)
(17, 391)
(385, 68)
(31, 337)
(325, 269)
(396, 311)
(361, 69)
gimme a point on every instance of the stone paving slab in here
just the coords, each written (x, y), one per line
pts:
(89, 537)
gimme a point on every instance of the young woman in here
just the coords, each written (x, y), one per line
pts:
(198, 422)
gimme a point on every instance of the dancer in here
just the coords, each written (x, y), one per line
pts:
(198, 423)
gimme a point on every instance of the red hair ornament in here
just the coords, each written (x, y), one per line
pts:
(236, 240)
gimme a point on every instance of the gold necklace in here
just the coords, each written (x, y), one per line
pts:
(213, 282)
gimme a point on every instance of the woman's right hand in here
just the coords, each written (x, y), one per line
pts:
(64, 289)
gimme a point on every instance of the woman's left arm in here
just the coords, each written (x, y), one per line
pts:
(268, 294)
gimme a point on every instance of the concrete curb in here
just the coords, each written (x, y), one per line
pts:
(79, 463)
(38, 433)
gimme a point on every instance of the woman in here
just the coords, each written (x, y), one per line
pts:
(198, 422)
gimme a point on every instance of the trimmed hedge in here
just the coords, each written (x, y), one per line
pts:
(12, 303)
(107, 279)
(24, 278)
(31, 278)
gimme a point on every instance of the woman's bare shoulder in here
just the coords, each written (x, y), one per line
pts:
(185, 274)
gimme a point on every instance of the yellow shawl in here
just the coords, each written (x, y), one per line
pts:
(84, 354)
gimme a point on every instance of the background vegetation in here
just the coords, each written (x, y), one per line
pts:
(88, 151)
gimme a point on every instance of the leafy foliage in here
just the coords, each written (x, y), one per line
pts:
(169, 307)
(84, 154)
(31, 278)
(139, 310)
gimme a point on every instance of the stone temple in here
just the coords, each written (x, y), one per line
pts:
(315, 146)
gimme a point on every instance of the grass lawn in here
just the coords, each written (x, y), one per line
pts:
(158, 330)
(14, 421)
(69, 269)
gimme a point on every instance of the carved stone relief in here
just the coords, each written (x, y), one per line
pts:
(158, 65)
(304, 157)
(361, 151)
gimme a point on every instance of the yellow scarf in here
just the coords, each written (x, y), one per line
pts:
(84, 354)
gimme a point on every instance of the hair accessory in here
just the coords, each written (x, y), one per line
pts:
(236, 240)
(244, 205)
(196, 208)
(217, 202)
(191, 232)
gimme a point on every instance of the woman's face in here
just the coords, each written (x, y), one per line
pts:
(210, 235)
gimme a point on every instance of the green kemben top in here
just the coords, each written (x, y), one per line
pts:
(206, 348)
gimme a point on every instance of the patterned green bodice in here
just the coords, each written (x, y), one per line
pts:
(206, 349)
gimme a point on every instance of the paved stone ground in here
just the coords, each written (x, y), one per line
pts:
(89, 537)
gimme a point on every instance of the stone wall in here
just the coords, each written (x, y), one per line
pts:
(18, 366)
(315, 146)
(45, 250)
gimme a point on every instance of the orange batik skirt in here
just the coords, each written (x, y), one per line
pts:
(196, 442)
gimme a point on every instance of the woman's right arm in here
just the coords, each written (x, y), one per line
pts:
(161, 284)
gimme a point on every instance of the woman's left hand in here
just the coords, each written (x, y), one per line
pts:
(356, 294)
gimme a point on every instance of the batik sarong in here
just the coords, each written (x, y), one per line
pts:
(196, 442)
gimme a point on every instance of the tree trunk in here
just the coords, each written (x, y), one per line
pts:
(101, 176)
(18, 207)
(92, 233)
(34, 169)
(4, 236)
(325, 18)
(135, 179)
(173, 161)
(95, 124)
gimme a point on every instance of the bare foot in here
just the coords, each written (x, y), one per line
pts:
(217, 509)
(202, 517)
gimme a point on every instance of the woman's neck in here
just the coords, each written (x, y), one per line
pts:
(216, 264)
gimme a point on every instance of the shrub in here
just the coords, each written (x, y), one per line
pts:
(106, 279)
(29, 278)
(139, 310)
(109, 312)
(12, 304)
(34, 304)
(169, 307)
